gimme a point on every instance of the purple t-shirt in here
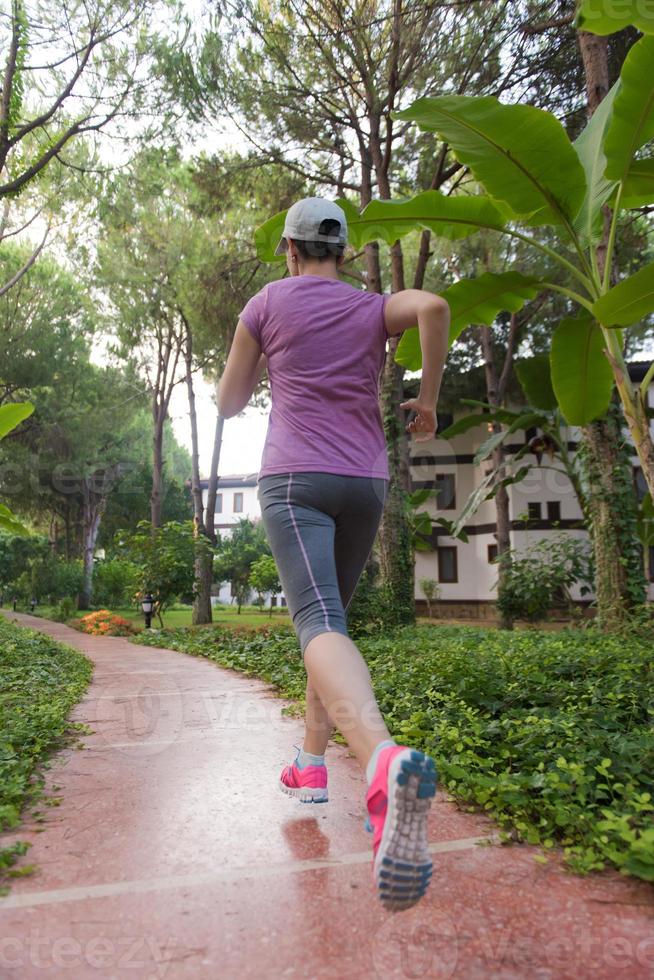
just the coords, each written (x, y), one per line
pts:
(325, 344)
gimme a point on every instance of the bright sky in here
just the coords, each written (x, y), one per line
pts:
(243, 435)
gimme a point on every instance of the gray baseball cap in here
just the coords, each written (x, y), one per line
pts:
(313, 219)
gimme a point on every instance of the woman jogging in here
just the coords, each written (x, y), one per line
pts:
(322, 485)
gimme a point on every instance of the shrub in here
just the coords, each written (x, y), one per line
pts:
(104, 623)
(371, 609)
(50, 579)
(115, 582)
(541, 578)
(64, 610)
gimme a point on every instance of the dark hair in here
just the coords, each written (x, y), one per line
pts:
(319, 250)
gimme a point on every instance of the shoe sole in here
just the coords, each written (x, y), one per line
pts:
(305, 794)
(403, 865)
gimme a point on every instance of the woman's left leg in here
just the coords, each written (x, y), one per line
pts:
(318, 727)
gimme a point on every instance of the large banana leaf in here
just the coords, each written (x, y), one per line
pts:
(449, 217)
(473, 301)
(638, 186)
(476, 419)
(590, 150)
(609, 16)
(12, 415)
(629, 301)
(632, 121)
(520, 154)
(525, 421)
(581, 375)
(536, 381)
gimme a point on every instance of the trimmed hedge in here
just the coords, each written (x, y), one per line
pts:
(549, 733)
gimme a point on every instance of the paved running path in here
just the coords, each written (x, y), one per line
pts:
(173, 855)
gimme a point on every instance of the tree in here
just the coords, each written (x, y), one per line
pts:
(165, 556)
(236, 556)
(70, 71)
(541, 179)
(177, 281)
(313, 87)
(431, 591)
(264, 577)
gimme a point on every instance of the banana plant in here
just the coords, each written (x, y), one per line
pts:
(542, 412)
(534, 176)
(10, 417)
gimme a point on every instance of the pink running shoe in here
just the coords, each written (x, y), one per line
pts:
(398, 799)
(309, 785)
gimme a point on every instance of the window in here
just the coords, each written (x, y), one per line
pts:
(444, 483)
(238, 503)
(651, 563)
(219, 503)
(492, 553)
(447, 565)
(534, 510)
(553, 510)
(283, 602)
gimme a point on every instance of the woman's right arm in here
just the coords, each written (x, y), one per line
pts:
(431, 314)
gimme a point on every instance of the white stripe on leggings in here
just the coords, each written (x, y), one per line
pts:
(306, 557)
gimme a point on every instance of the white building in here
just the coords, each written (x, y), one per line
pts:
(236, 499)
(542, 505)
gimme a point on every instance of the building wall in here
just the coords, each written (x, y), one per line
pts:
(228, 516)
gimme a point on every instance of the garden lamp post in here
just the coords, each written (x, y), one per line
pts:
(148, 606)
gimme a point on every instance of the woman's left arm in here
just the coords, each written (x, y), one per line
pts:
(243, 371)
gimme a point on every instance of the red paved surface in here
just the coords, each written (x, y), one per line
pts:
(173, 855)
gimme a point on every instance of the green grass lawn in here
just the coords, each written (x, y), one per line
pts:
(181, 615)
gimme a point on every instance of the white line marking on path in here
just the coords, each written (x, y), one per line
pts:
(81, 892)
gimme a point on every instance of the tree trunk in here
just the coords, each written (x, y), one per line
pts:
(92, 516)
(203, 563)
(202, 611)
(397, 560)
(495, 397)
(156, 497)
(603, 459)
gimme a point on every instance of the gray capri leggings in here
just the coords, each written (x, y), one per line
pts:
(321, 528)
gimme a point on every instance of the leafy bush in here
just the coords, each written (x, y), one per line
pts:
(165, 559)
(541, 578)
(64, 610)
(103, 623)
(53, 578)
(371, 608)
(115, 582)
(41, 681)
(550, 733)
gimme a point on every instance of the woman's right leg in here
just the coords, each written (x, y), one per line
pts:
(340, 677)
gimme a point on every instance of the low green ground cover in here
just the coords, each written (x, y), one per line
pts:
(41, 681)
(550, 733)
